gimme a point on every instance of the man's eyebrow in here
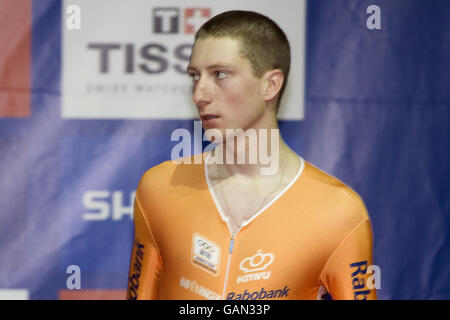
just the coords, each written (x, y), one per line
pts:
(213, 66)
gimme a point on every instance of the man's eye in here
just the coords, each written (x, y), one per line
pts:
(221, 74)
(194, 76)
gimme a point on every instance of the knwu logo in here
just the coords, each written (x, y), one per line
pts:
(168, 20)
(255, 267)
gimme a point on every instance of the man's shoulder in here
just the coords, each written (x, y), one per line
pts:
(161, 169)
(172, 172)
(332, 190)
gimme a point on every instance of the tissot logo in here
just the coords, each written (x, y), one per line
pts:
(169, 20)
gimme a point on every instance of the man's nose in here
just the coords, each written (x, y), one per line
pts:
(201, 95)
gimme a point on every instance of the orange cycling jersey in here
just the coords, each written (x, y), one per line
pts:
(313, 239)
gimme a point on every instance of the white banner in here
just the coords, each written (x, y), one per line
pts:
(127, 59)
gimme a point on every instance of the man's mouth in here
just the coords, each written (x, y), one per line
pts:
(209, 117)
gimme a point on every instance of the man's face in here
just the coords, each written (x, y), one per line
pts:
(225, 91)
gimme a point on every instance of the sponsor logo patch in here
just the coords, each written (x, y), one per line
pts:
(205, 254)
(255, 267)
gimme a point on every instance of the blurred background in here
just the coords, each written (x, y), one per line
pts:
(91, 91)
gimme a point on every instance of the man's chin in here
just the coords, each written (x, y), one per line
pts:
(214, 135)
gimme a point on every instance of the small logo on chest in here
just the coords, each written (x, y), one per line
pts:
(205, 254)
(255, 267)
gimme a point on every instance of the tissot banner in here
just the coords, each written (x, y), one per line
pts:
(128, 59)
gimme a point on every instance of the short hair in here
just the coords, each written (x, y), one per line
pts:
(262, 41)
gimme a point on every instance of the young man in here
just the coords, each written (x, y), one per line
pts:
(224, 230)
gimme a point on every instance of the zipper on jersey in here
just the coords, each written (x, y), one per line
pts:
(230, 252)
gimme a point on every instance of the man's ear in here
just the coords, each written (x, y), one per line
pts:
(273, 81)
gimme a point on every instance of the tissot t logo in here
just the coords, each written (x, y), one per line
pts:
(165, 20)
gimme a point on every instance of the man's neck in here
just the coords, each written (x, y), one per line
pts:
(240, 157)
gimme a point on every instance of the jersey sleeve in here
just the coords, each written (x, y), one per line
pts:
(348, 273)
(146, 261)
